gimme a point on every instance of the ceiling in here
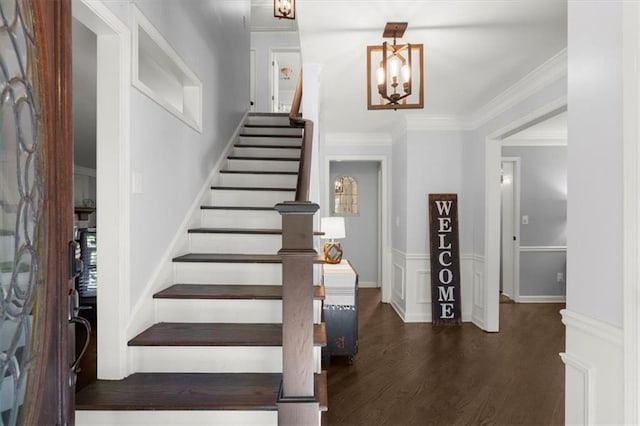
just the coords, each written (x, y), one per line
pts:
(474, 50)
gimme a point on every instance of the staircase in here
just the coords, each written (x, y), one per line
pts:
(214, 356)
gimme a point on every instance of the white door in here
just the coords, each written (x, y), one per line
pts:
(510, 229)
(275, 101)
(252, 80)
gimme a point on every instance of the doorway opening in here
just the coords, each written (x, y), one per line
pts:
(366, 242)
(493, 155)
(112, 179)
(285, 69)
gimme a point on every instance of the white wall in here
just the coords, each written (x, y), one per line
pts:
(263, 43)
(595, 390)
(169, 158)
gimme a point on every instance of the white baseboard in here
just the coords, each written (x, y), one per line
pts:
(542, 299)
(368, 284)
(594, 375)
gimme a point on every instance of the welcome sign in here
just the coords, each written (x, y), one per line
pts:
(445, 259)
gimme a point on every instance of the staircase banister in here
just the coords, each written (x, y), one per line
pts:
(296, 120)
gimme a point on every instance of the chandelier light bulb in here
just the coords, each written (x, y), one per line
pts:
(381, 76)
(406, 74)
(394, 67)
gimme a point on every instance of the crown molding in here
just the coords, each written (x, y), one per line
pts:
(549, 72)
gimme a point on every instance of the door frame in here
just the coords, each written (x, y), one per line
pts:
(515, 209)
(383, 196)
(631, 211)
(113, 182)
(493, 154)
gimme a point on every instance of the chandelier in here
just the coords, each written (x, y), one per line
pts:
(284, 9)
(398, 69)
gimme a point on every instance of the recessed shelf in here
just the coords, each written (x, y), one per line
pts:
(160, 73)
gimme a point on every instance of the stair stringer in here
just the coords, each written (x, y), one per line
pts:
(143, 314)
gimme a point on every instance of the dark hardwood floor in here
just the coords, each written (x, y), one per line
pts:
(416, 374)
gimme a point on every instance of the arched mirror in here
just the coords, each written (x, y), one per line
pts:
(346, 196)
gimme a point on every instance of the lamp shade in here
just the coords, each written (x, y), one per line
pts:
(333, 227)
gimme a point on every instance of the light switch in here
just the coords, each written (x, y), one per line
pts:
(525, 220)
(136, 182)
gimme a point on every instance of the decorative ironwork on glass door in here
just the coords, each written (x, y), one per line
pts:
(21, 202)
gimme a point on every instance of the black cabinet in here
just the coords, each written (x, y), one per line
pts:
(340, 310)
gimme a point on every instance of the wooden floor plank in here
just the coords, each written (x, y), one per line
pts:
(417, 374)
(217, 334)
(241, 291)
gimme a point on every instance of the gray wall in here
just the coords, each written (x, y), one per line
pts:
(173, 160)
(361, 244)
(543, 197)
(595, 127)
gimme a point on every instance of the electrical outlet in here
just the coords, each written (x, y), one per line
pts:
(525, 220)
(560, 277)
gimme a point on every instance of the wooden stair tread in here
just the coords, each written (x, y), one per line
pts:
(253, 208)
(246, 145)
(230, 291)
(249, 231)
(239, 157)
(256, 231)
(190, 391)
(252, 188)
(261, 135)
(270, 126)
(218, 334)
(229, 257)
(258, 172)
(233, 258)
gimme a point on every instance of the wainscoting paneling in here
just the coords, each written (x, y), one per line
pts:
(594, 360)
(412, 285)
(423, 286)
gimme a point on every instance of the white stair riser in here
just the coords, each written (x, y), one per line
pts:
(211, 359)
(272, 131)
(241, 219)
(270, 120)
(257, 140)
(225, 311)
(234, 243)
(266, 152)
(249, 198)
(227, 273)
(258, 180)
(259, 165)
(176, 418)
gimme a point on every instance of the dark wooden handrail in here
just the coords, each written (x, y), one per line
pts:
(296, 120)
